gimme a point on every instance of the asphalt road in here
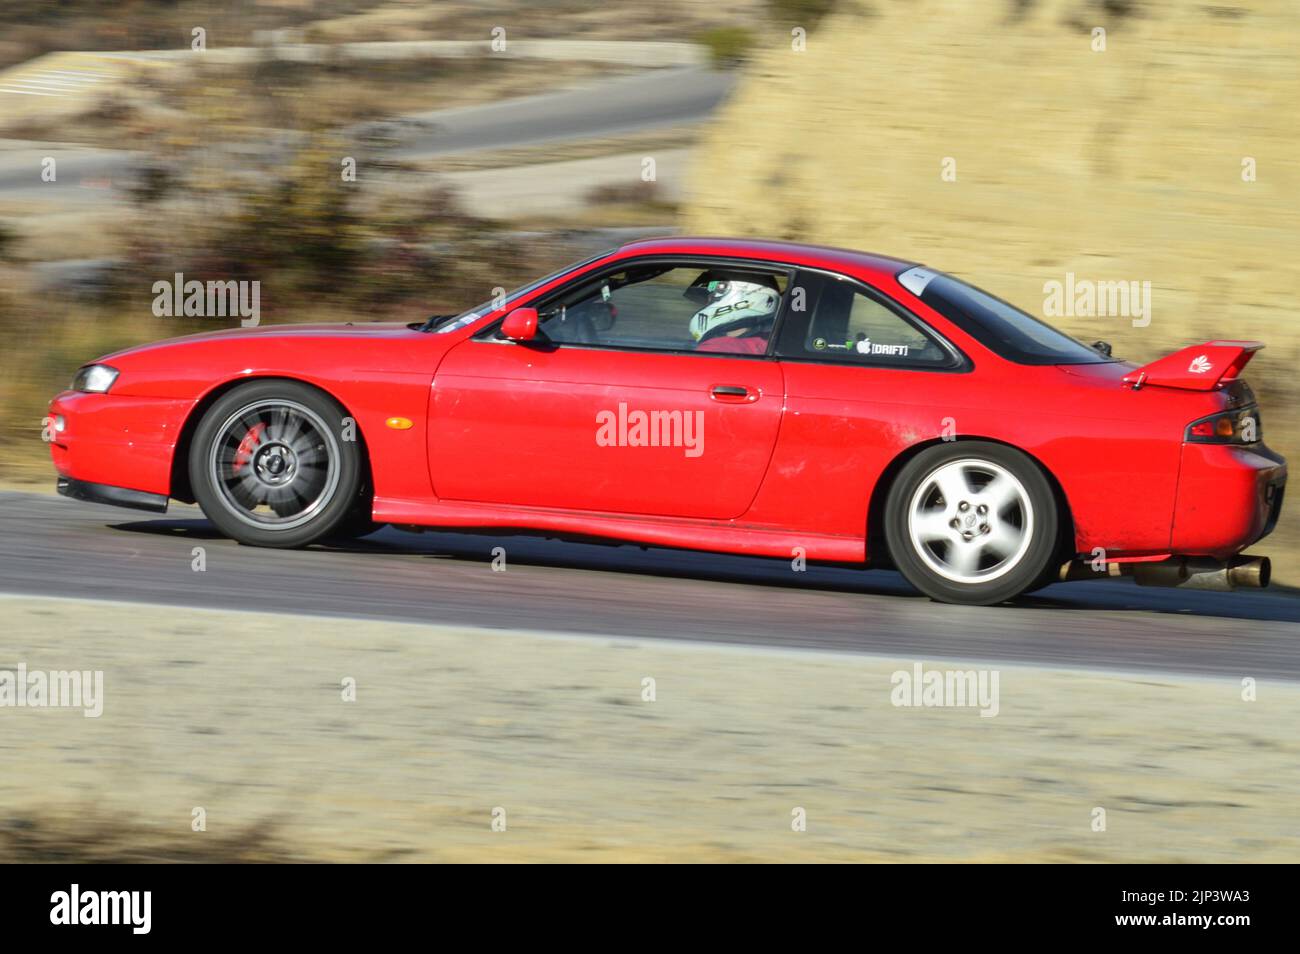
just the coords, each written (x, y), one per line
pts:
(634, 103)
(643, 101)
(82, 174)
(58, 547)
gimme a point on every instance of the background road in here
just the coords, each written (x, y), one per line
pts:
(82, 174)
(643, 101)
(627, 104)
(59, 547)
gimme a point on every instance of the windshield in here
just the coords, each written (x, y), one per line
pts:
(442, 324)
(999, 326)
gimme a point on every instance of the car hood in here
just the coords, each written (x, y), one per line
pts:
(369, 330)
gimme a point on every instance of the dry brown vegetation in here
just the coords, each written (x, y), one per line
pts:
(30, 28)
(88, 835)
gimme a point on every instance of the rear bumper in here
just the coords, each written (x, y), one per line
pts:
(115, 496)
(1229, 496)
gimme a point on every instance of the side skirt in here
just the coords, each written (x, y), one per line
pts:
(726, 536)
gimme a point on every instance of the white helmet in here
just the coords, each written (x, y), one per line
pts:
(734, 301)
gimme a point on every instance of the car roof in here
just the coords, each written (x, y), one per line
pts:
(795, 253)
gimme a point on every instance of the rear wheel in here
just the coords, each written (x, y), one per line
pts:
(269, 465)
(971, 522)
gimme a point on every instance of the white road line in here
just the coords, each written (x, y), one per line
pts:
(42, 83)
(68, 84)
(35, 87)
(54, 89)
(64, 76)
(95, 73)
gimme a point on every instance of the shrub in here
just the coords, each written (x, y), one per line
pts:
(728, 46)
(804, 13)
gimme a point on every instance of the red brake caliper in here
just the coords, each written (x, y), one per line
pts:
(244, 452)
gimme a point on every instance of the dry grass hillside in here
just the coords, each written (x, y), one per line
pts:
(1122, 164)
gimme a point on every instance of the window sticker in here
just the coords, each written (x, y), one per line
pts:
(867, 346)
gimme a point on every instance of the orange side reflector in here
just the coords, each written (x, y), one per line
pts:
(399, 423)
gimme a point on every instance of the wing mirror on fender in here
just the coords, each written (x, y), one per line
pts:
(521, 325)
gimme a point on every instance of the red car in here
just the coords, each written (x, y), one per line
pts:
(738, 396)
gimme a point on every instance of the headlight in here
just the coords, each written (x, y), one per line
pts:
(96, 378)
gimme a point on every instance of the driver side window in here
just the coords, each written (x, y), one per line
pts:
(666, 307)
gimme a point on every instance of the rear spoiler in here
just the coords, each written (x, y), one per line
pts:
(1201, 367)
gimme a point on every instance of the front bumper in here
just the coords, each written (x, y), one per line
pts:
(117, 440)
(1229, 496)
(115, 496)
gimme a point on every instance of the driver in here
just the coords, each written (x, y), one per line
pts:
(738, 313)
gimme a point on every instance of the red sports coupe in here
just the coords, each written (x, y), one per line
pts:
(737, 396)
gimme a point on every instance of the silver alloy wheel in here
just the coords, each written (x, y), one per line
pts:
(275, 464)
(970, 520)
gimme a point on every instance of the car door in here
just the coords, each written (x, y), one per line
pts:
(616, 412)
(864, 380)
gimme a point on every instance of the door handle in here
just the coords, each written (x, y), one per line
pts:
(733, 393)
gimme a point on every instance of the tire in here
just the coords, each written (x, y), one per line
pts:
(270, 468)
(991, 543)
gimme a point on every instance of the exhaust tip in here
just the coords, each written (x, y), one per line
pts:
(1253, 572)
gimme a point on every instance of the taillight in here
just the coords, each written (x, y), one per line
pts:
(1241, 426)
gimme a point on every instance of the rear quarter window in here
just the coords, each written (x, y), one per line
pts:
(847, 324)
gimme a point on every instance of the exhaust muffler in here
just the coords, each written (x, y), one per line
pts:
(1189, 573)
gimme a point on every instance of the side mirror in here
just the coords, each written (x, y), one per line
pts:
(520, 325)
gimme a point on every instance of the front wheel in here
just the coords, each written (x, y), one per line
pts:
(971, 522)
(270, 465)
